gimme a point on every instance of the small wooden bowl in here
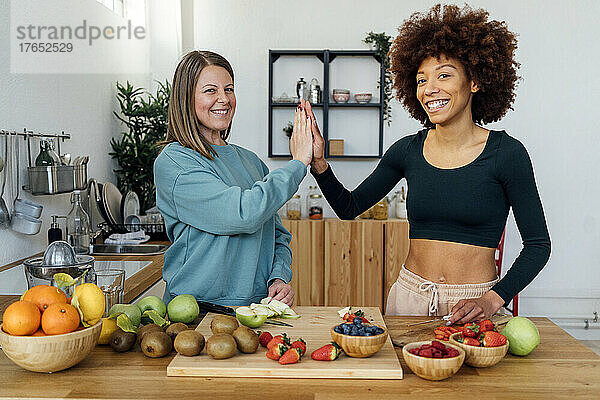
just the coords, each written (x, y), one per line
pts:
(433, 369)
(50, 353)
(480, 356)
(360, 346)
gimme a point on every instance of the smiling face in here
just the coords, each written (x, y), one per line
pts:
(444, 90)
(214, 99)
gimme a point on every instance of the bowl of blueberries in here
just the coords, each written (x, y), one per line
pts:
(359, 338)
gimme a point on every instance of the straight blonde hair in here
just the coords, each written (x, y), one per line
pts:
(183, 124)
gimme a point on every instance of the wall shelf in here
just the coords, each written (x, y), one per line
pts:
(323, 109)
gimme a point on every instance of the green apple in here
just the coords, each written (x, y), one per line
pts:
(152, 303)
(249, 317)
(183, 308)
(131, 310)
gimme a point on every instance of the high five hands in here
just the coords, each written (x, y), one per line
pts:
(304, 113)
(301, 142)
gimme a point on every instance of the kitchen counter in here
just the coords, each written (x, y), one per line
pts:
(559, 367)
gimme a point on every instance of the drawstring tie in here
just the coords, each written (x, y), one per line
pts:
(433, 295)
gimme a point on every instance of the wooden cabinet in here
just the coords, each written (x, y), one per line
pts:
(340, 263)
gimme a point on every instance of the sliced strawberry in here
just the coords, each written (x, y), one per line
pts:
(471, 341)
(291, 356)
(276, 351)
(329, 352)
(493, 339)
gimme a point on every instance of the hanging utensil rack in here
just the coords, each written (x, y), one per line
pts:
(28, 134)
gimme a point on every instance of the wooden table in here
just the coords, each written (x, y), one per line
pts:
(560, 367)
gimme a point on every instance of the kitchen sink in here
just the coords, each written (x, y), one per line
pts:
(129, 249)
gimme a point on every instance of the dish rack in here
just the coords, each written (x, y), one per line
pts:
(156, 231)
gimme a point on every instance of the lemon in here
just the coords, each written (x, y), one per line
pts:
(88, 299)
(108, 327)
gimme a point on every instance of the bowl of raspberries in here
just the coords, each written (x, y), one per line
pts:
(359, 338)
(432, 359)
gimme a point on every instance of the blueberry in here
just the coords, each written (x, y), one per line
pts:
(368, 334)
(357, 321)
(337, 329)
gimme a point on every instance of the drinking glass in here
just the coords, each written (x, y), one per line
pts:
(112, 284)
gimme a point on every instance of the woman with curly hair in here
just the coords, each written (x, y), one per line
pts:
(454, 71)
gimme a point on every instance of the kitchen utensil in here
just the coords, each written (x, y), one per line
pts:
(302, 89)
(111, 199)
(51, 179)
(360, 346)
(80, 176)
(27, 207)
(25, 224)
(95, 208)
(433, 369)
(4, 214)
(66, 159)
(215, 308)
(363, 98)
(59, 253)
(444, 318)
(50, 353)
(480, 356)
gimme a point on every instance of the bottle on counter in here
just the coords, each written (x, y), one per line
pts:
(315, 206)
(54, 233)
(53, 153)
(293, 207)
(78, 226)
(401, 204)
(44, 159)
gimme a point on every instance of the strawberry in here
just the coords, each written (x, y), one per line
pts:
(329, 352)
(264, 338)
(471, 341)
(277, 339)
(493, 339)
(275, 352)
(358, 314)
(291, 356)
(299, 344)
(486, 325)
(470, 330)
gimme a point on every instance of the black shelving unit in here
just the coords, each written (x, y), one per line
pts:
(326, 57)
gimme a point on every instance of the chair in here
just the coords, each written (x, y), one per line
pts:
(498, 259)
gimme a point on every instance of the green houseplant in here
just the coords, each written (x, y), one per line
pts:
(144, 117)
(381, 43)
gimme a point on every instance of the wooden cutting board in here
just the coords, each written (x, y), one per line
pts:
(314, 327)
(406, 334)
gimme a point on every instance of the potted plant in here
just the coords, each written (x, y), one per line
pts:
(145, 118)
(381, 43)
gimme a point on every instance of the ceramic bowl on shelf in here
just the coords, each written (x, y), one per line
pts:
(433, 369)
(50, 353)
(363, 98)
(480, 356)
(360, 346)
(341, 97)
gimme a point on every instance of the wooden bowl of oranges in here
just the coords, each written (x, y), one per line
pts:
(43, 332)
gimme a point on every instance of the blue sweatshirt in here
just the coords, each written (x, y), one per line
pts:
(228, 243)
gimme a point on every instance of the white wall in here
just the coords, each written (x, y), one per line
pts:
(554, 112)
(81, 104)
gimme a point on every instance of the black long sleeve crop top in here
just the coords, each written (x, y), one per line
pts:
(468, 204)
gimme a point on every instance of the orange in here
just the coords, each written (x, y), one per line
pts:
(60, 318)
(21, 318)
(39, 332)
(44, 295)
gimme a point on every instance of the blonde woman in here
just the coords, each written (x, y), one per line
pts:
(219, 200)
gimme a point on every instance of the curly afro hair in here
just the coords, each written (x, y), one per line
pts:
(485, 49)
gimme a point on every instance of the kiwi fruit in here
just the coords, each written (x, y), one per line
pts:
(223, 324)
(220, 346)
(156, 344)
(246, 339)
(174, 329)
(189, 343)
(145, 329)
(121, 341)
